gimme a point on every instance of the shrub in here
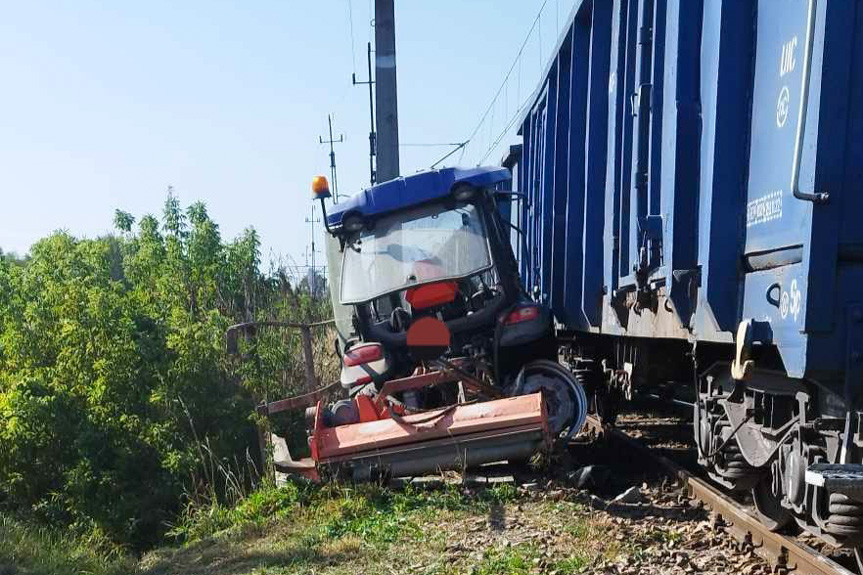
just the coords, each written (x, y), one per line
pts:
(117, 399)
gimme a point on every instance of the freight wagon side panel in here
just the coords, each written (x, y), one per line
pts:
(652, 179)
(799, 283)
(714, 183)
(596, 159)
(583, 170)
(726, 57)
(778, 224)
(630, 172)
(563, 162)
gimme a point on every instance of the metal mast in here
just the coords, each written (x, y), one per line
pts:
(310, 269)
(372, 144)
(331, 142)
(385, 91)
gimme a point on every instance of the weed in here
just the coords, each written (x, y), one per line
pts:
(450, 498)
(198, 521)
(42, 551)
(518, 560)
(579, 528)
(673, 536)
(501, 493)
(272, 501)
(203, 519)
(570, 565)
(373, 514)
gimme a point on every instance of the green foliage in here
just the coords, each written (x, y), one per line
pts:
(123, 221)
(571, 565)
(525, 559)
(41, 551)
(375, 516)
(501, 493)
(518, 560)
(266, 503)
(117, 400)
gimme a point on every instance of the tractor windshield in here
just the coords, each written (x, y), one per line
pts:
(414, 247)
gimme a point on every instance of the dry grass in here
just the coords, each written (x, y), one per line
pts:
(25, 549)
(375, 531)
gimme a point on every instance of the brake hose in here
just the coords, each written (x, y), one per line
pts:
(726, 440)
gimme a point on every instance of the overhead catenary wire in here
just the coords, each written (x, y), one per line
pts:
(430, 145)
(499, 138)
(353, 42)
(522, 105)
(516, 62)
(450, 153)
(502, 133)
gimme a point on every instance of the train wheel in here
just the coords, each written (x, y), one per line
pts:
(767, 506)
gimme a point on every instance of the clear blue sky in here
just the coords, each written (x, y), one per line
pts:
(104, 104)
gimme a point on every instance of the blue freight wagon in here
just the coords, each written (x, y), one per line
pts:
(691, 179)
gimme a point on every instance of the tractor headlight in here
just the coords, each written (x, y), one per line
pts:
(464, 192)
(354, 223)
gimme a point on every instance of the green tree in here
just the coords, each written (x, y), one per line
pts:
(123, 221)
(117, 399)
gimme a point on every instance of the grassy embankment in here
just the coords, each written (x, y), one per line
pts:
(339, 531)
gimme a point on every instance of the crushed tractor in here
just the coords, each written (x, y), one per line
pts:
(446, 361)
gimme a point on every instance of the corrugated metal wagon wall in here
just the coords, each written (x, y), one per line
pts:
(563, 157)
(691, 166)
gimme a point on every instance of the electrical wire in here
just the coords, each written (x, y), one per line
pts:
(353, 43)
(503, 132)
(727, 440)
(515, 62)
(425, 145)
(448, 154)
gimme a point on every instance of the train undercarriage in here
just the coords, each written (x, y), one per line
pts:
(790, 444)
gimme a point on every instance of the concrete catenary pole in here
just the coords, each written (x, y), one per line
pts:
(385, 91)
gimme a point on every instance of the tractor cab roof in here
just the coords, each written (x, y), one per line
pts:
(409, 191)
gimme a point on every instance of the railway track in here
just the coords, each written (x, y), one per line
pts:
(785, 554)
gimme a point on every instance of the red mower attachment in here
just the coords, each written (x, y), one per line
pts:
(457, 437)
(387, 442)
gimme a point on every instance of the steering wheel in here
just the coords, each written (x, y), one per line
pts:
(400, 320)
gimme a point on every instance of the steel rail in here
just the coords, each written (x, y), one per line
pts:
(783, 553)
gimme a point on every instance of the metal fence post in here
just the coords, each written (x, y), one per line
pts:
(311, 379)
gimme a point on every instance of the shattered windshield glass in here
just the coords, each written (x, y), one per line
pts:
(410, 248)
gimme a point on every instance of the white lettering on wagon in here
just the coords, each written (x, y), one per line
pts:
(782, 106)
(791, 302)
(788, 62)
(764, 209)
